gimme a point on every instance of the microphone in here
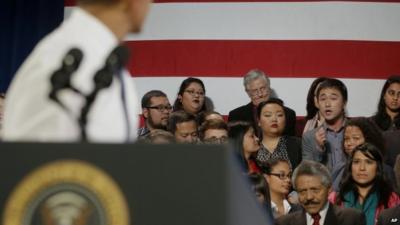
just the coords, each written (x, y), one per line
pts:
(115, 61)
(61, 78)
(103, 78)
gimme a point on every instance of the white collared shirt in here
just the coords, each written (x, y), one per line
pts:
(31, 116)
(286, 207)
(322, 213)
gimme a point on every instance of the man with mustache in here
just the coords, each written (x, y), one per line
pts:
(156, 110)
(312, 181)
(257, 86)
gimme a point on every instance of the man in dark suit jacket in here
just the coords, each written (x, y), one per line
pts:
(257, 86)
(312, 181)
(390, 216)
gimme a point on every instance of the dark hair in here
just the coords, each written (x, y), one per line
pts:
(185, 83)
(259, 184)
(202, 116)
(370, 132)
(269, 101)
(236, 132)
(334, 84)
(381, 118)
(212, 124)
(146, 99)
(311, 108)
(380, 185)
(267, 166)
(179, 117)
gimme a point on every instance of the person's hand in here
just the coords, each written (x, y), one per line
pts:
(320, 137)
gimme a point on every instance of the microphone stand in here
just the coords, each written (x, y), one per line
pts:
(102, 79)
(61, 78)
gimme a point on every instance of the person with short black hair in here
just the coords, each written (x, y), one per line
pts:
(156, 110)
(325, 143)
(184, 127)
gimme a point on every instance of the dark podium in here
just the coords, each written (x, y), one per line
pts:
(160, 184)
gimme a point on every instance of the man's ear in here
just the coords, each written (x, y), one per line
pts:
(145, 113)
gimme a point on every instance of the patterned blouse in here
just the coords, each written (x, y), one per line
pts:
(280, 152)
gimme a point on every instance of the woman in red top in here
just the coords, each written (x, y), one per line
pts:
(364, 185)
(245, 143)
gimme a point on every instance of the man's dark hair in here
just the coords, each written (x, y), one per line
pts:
(334, 84)
(212, 124)
(146, 99)
(179, 117)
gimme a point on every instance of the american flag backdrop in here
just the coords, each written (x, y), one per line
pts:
(292, 41)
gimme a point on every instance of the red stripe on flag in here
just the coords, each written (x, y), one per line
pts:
(349, 59)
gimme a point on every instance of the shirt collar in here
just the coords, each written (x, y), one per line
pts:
(322, 213)
(286, 206)
(325, 126)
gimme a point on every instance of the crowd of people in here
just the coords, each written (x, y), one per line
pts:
(334, 164)
(339, 171)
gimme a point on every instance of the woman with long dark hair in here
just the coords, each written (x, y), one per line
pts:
(364, 186)
(245, 143)
(388, 115)
(313, 118)
(191, 96)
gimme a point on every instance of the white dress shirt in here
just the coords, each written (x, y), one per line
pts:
(322, 213)
(31, 116)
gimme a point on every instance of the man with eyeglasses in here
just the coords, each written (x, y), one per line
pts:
(313, 182)
(214, 131)
(156, 110)
(257, 87)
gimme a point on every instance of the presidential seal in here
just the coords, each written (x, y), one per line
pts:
(67, 192)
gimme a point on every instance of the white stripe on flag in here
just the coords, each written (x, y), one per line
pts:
(273, 21)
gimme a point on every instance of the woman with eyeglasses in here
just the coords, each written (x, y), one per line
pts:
(191, 97)
(275, 145)
(277, 172)
(245, 145)
(364, 185)
(388, 115)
